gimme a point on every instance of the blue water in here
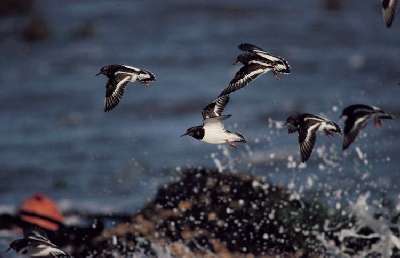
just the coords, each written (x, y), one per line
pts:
(55, 137)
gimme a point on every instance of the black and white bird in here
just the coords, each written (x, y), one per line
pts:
(389, 11)
(356, 118)
(118, 78)
(36, 245)
(212, 131)
(255, 63)
(307, 125)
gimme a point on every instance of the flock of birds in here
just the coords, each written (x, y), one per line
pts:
(255, 62)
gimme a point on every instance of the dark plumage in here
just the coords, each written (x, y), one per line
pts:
(118, 78)
(255, 62)
(307, 126)
(356, 118)
(389, 11)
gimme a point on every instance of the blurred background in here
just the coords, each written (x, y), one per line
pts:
(56, 139)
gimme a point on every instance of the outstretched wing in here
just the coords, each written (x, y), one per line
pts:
(36, 238)
(259, 51)
(249, 47)
(307, 137)
(352, 127)
(243, 77)
(389, 11)
(215, 108)
(115, 90)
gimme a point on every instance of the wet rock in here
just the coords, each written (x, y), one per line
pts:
(333, 5)
(36, 30)
(207, 213)
(16, 7)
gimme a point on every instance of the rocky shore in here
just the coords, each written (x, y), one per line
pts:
(210, 214)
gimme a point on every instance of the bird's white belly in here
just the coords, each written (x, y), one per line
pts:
(39, 251)
(220, 137)
(214, 138)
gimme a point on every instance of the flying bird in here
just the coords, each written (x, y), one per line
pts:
(212, 131)
(356, 118)
(118, 78)
(307, 125)
(36, 245)
(389, 11)
(255, 62)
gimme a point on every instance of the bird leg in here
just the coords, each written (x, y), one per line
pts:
(276, 74)
(328, 133)
(377, 122)
(232, 144)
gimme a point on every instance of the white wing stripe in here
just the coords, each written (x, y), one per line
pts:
(121, 84)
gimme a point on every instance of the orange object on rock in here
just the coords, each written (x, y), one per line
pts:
(43, 206)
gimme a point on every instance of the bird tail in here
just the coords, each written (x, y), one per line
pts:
(242, 139)
(387, 116)
(378, 119)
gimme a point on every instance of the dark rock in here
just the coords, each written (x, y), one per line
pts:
(16, 7)
(36, 30)
(333, 5)
(228, 215)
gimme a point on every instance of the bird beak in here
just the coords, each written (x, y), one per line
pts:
(184, 134)
(98, 73)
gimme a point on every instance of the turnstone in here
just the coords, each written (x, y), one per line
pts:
(307, 126)
(118, 78)
(356, 118)
(389, 11)
(36, 245)
(255, 62)
(212, 131)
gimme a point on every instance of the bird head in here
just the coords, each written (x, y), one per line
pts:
(242, 58)
(196, 132)
(106, 70)
(16, 245)
(292, 123)
(345, 113)
(334, 128)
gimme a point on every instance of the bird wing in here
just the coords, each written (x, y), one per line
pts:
(114, 90)
(389, 11)
(245, 75)
(352, 127)
(129, 68)
(58, 253)
(215, 108)
(259, 51)
(35, 238)
(307, 137)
